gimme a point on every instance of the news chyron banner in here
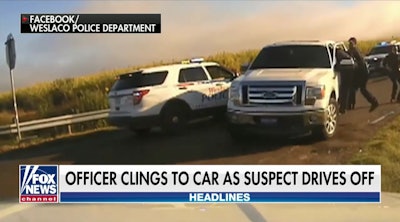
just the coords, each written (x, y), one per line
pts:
(200, 184)
(90, 23)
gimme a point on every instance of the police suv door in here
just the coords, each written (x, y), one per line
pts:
(221, 80)
(193, 82)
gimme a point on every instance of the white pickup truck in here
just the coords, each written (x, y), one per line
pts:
(291, 88)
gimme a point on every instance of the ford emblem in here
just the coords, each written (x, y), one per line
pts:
(269, 95)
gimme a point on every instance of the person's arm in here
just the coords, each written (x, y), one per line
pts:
(385, 61)
(339, 56)
(396, 61)
(357, 55)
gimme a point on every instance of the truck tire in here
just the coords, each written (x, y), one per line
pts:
(328, 130)
(174, 119)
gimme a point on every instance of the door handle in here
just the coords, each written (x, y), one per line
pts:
(183, 88)
(218, 84)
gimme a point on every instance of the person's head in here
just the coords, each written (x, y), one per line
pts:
(352, 42)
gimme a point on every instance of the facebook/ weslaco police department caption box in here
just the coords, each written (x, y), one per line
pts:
(200, 183)
(90, 23)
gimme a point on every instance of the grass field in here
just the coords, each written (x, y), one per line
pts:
(384, 149)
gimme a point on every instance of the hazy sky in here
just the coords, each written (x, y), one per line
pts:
(189, 28)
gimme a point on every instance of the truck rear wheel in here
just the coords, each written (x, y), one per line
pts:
(328, 129)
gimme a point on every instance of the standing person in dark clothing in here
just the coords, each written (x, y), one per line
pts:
(391, 61)
(352, 96)
(346, 79)
(361, 74)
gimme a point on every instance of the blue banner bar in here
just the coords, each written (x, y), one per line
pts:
(219, 197)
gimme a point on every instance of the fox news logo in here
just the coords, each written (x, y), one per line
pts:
(38, 184)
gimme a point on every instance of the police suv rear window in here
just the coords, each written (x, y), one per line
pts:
(381, 50)
(139, 79)
(218, 72)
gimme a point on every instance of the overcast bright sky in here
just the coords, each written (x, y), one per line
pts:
(189, 28)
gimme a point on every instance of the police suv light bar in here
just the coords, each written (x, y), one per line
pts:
(194, 60)
(383, 43)
(197, 60)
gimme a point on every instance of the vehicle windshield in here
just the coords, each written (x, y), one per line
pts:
(292, 56)
(139, 79)
(380, 50)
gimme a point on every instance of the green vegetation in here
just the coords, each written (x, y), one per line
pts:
(86, 93)
(89, 93)
(384, 149)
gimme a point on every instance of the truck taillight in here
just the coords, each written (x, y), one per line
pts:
(138, 96)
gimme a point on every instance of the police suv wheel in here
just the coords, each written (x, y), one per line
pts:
(174, 120)
(328, 129)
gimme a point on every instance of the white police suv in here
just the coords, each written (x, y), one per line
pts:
(169, 96)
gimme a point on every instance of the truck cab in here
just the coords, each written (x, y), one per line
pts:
(290, 88)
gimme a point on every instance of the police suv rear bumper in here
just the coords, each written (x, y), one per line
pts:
(134, 122)
(284, 124)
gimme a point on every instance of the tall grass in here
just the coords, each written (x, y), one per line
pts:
(89, 92)
(86, 93)
(384, 150)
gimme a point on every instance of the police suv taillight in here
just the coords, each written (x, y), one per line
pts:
(138, 96)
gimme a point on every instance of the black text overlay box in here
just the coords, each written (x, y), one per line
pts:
(90, 23)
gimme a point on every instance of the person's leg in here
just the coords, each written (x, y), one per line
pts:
(344, 98)
(351, 98)
(343, 93)
(398, 82)
(394, 79)
(352, 93)
(355, 85)
(369, 97)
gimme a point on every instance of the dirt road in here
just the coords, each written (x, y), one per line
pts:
(205, 143)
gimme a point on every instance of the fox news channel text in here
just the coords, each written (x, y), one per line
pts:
(90, 23)
(200, 183)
